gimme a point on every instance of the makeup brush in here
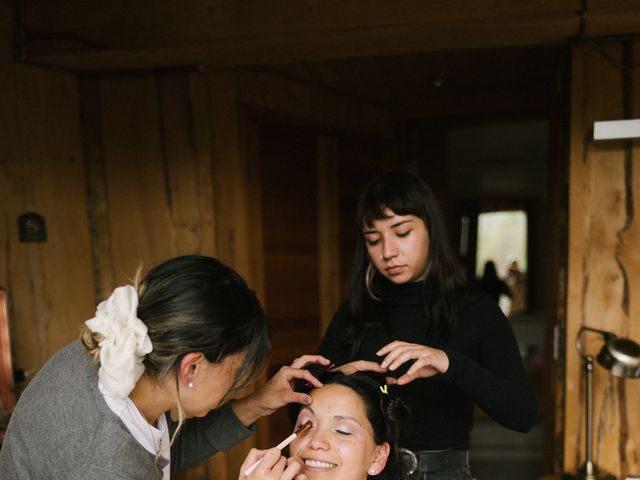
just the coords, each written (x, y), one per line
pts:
(298, 431)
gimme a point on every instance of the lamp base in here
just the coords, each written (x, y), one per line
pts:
(589, 471)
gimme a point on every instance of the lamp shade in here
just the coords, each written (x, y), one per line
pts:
(621, 356)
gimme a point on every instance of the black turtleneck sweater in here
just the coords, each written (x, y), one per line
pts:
(485, 366)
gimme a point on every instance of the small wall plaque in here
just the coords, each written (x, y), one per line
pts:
(32, 228)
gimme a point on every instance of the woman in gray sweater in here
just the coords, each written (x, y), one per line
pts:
(146, 390)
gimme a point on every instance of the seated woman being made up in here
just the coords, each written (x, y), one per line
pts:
(350, 430)
(148, 388)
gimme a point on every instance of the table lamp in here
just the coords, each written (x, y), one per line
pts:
(621, 356)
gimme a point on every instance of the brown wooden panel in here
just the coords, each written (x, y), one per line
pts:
(229, 174)
(50, 285)
(296, 341)
(307, 103)
(187, 174)
(97, 200)
(199, 106)
(601, 265)
(149, 178)
(330, 293)
(256, 33)
(289, 219)
(629, 445)
(292, 285)
(138, 203)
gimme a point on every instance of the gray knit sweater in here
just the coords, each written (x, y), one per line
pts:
(62, 428)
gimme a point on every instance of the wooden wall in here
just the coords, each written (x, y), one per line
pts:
(299, 159)
(604, 259)
(148, 171)
(129, 168)
(50, 285)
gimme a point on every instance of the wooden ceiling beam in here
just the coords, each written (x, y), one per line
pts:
(148, 33)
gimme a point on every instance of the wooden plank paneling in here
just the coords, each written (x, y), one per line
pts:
(232, 33)
(149, 171)
(330, 293)
(219, 19)
(49, 284)
(290, 226)
(229, 173)
(602, 262)
(138, 204)
(320, 108)
(199, 103)
(187, 173)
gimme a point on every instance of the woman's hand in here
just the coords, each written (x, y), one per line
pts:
(278, 391)
(427, 361)
(360, 366)
(272, 467)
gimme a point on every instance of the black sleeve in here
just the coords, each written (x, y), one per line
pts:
(335, 345)
(497, 381)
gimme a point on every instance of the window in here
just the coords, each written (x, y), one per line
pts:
(502, 239)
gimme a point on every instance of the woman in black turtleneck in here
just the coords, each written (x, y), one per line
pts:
(442, 348)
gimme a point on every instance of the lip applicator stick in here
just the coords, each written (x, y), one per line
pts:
(299, 431)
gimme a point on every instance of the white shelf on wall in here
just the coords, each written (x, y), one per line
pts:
(616, 129)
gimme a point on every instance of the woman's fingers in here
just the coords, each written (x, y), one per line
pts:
(278, 392)
(305, 360)
(426, 361)
(249, 464)
(402, 353)
(252, 457)
(361, 366)
(291, 374)
(292, 469)
(390, 346)
(273, 466)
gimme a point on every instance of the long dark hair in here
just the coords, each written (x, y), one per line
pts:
(385, 411)
(405, 194)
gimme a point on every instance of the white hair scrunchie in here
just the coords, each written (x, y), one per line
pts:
(125, 341)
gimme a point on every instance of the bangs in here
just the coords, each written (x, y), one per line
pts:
(383, 198)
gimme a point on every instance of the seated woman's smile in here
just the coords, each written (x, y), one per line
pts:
(341, 439)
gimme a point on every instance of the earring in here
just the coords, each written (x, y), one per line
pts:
(190, 384)
(372, 471)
